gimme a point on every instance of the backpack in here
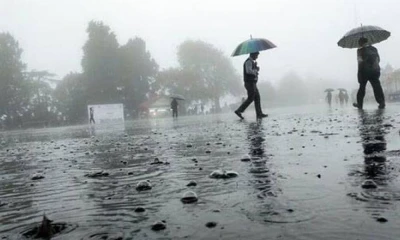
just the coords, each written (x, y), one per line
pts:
(370, 58)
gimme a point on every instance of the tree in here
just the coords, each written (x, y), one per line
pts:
(267, 92)
(99, 64)
(41, 105)
(215, 74)
(136, 71)
(114, 73)
(180, 81)
(11, 80)
(292, 90)
(70, 98)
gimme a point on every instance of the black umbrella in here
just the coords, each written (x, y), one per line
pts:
(374, 35)
(329, 90)
(177, 97)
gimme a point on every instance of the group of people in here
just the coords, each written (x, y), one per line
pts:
(368, 71)
(190, 111)
(342, 97)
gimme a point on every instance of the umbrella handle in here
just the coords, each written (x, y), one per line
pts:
(362, 32)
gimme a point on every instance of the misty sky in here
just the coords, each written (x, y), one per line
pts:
(52, 32)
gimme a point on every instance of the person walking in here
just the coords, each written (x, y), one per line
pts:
(368, 70)
(346, 97)
(91, 113)
(250, 77)
(174, 107)
(329, 98)
(341, 98)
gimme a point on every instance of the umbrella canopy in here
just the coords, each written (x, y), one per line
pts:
(374, 35)
(329, 90)
(342, 89)
(253, 45)
(177, 96)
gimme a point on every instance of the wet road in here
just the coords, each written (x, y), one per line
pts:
(303, 181)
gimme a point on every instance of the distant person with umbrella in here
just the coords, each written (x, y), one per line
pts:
(174, 107)
(329, 96)
(341, 97)
(250, 73)
(346, 97)
(368, 60)
(174, 104)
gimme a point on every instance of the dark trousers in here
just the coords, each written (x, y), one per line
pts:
(91, 120)
(373, 78)
(175, 113)
(252, 95)
(329, 100)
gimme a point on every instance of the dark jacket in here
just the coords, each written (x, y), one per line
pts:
(368, 60)
(174, 104)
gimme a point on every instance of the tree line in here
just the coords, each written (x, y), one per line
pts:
(127, 74)
(111, 73)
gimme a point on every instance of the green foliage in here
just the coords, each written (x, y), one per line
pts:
(182, 82)
(111, 74)
(114, 73)
(214, 73)
(136, 72)
(25, 97)
(11, 79)
(41, 105)
(70, 98)
(292, 90)
(100, 63)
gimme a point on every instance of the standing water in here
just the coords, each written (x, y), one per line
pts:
(304, 176)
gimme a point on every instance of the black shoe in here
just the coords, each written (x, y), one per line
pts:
(262, 115)
(381, 106)
(356, 106)
(239, 114)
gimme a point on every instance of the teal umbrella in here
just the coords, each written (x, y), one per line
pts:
(253, 45)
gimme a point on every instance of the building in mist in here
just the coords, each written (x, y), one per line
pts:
(390, 79)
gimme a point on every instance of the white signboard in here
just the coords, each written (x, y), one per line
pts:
(106, 113)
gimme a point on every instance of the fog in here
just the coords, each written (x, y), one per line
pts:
(52, 33)
(109, 125)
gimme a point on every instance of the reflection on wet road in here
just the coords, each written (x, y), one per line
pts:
(303, 180)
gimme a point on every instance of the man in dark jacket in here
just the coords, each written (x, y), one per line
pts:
(174, 107)
(250, 76)
(368, 70)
